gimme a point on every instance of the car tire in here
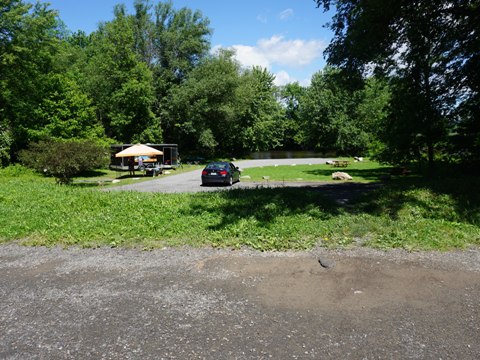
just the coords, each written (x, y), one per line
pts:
(230, 181)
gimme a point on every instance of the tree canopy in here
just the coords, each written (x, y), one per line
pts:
(428, 50)
(401, 84)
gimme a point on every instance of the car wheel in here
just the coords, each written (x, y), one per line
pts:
(230, 181)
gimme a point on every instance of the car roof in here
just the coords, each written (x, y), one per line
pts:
(218, 164)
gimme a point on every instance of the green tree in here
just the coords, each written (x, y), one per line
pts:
(260, 117)
(427, 47)
(290, 96)
(335, 117)
(29, 37)
(181, 39)
(64, 113)
(373, 112)
(120, 84)
(203, 105)
(327, 113)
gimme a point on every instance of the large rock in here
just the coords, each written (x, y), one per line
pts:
(341, 176)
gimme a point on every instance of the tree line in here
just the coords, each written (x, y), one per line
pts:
(402, 83)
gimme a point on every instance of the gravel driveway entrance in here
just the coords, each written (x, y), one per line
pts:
(190, 181)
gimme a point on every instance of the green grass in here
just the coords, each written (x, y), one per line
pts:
(408, 213)
(365, 171)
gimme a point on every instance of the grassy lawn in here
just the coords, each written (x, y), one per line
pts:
(408, 213)
(365, 171)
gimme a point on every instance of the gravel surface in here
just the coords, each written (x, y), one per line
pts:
(221, 304)
(191, 181)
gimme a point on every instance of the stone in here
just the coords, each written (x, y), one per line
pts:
(245, 177)
(266, 177)
(326, 263)
(341, 176)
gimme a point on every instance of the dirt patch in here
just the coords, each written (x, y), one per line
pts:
(352, 284)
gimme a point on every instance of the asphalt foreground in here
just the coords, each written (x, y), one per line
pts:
(222, 304)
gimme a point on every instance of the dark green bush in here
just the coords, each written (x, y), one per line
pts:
(64, 159)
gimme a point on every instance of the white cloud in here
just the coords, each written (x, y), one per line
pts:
(249, 56)
(278, 51)
(306, 82)
(285, 14)
(282, 78)
(262, 19)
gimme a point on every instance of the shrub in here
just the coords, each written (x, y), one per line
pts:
(64, 159)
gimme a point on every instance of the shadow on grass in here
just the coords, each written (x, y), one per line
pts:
(93, 173)
(449, 199)
(264, 205)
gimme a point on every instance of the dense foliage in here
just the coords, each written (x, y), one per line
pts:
(430, 53)
(402, 83)
(64, 159)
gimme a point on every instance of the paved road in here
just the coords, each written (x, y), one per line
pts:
(190, 181)
(220, 304)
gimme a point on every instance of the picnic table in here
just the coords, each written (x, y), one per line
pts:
(340, 163)
(153, 169)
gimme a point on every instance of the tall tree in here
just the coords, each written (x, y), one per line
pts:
(326, 112)
(28, 43)
(414, 41)
(120, 84)
(181, 39)
(335, 117)
(203, 105)
(260, 117)
(291, 96)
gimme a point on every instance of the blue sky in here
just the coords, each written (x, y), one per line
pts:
(286, 37)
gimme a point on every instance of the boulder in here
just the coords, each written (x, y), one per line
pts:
(341, 176)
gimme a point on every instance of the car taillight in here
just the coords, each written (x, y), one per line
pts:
(204, 172)
(223, 172)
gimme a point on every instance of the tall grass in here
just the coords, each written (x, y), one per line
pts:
(409, 214)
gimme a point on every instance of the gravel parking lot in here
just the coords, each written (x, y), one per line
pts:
(191, 182)
(221, 304)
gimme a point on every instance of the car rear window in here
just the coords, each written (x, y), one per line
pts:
(216, 166)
